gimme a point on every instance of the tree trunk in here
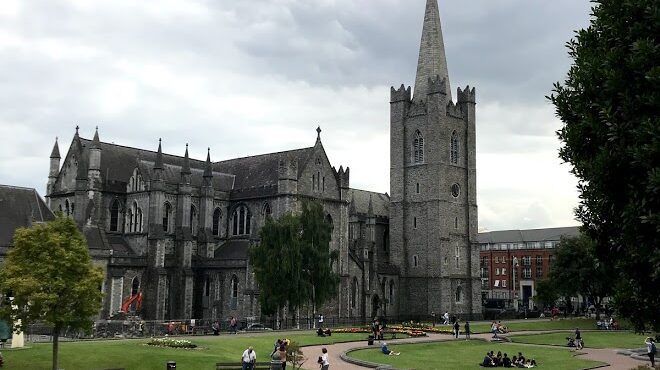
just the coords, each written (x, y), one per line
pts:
(56, 346)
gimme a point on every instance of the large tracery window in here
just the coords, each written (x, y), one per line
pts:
(114, 215)
(134, 219)
(241, 221)
(418, 148)
(454, 148)
(135, 183)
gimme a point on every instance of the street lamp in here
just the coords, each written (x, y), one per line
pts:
(514, 262)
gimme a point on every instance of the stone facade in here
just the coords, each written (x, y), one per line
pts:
(178, 229)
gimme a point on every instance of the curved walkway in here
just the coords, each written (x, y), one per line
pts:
(335, 351)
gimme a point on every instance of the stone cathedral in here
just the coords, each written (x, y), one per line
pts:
(177, 230)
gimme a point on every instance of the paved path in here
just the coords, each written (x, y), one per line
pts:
(609, 356)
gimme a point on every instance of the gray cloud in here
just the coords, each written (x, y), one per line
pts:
(249, 77)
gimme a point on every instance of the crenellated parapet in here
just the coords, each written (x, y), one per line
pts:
(344, 177)
(400, 94)
(437, 85)
(454, 110)
(466, 95)
(417, 108)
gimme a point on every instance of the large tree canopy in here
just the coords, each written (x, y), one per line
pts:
(50, 275)
(610, 108)
(293, 261)
(577, 270)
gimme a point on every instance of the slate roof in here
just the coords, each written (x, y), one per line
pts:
(530, 235)
(118, 163)
(233, 249)
(20, 207)
(380, 202)
(261, 170)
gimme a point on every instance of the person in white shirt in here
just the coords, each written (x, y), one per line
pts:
(446, 318)
(325, 364)
(249, 358)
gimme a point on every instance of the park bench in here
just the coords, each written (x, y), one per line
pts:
(239, 366)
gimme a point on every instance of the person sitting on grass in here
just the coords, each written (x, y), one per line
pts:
(387, 351)
(514, 361)
(497, 360)
(488, 361)
(506, 361)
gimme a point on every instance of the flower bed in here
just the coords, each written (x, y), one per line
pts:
(172, 343)
(426, 328)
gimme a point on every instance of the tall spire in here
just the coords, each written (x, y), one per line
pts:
(208, 168)
(185, 170)
(96, 143)
(56, 150)
(432, 61)
(159, 157)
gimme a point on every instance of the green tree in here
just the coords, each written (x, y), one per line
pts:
(293, 261)
(577, 270)
(609, 104)
(546, 293)
(50, 275)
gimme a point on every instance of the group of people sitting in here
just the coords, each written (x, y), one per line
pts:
(321, 332)
(492, 360)
(605, 324)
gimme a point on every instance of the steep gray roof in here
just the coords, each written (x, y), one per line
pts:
(380, 202)
(20, 207)
(261, 170)
(233, 249)
(530, 235)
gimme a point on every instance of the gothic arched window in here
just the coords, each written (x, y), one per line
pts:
(67, 207)
(135, 183)
(354, 292)
(233, 297)
(265, 210)
(114, 215)
(167, 215)
(217, 217)
(135, 286)
(138, 221)
(241, 220)
(454, 148)
(391, 292)
(193, 219)
(418, 148)
(459, 294)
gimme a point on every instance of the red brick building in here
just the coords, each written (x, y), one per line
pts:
(512, 261)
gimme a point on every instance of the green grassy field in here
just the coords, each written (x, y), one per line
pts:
(134, 354)
(468, 355)
(538, 325)
(592, 339)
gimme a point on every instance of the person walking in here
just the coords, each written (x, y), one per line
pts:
(232, 325)
(467, 330)
(321, 320)
(445, 317)
(651, 350)
(493, 329)
(578, 339)
(456, 329)
(323, 360)
(248, 359)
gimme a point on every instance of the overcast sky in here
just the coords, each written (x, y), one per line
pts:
(257, 76)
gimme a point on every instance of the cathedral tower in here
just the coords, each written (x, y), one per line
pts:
(433, 211)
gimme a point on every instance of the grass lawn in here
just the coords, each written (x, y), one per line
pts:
(592, 339)
(468, 355)
(133, 354)
(537, 325)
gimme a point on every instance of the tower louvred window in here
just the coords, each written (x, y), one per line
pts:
(454, 148)
(418, 148)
